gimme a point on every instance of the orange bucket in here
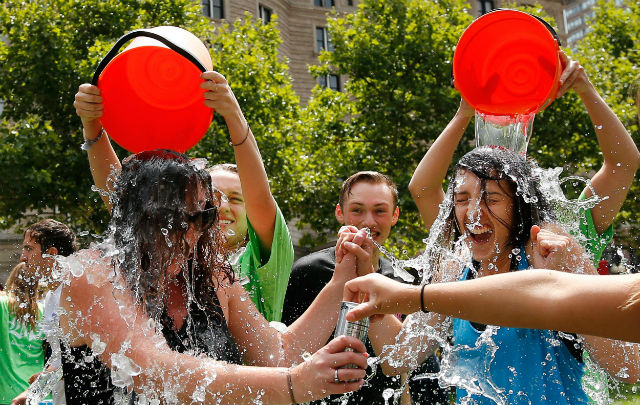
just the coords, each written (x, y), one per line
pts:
(507, 63)
(151, 91)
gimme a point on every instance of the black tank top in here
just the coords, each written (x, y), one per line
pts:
(88, 380)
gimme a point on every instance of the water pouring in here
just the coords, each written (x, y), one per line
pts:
(507, 78)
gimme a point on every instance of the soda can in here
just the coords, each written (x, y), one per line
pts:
(357, 329)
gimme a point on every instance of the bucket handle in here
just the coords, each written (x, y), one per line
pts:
(144, 33)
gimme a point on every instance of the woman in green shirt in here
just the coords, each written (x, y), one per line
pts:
(21, 352)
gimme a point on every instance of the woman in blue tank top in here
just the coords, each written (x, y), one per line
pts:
(495, 209)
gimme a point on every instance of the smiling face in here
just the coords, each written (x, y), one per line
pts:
(232, 213)
(485, 216)
(369, 205)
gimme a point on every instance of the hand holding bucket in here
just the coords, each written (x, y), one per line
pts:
(506, 66)
(151, 91)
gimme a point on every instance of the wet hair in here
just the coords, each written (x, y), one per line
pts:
(367, 177)
(517, 178)
(51, 233)
(149, 226)
(22, 290)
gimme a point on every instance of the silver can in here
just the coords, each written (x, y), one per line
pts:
(357, 329)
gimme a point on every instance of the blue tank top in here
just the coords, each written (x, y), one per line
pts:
(530, 366)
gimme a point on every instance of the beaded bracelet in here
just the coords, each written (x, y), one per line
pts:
(88, 143)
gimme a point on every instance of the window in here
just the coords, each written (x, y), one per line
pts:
(578, 22)
(575, 37)
(265, 14)
(484, 6)
(322, 40)
(213, 8)
(349, 2)
(324, 3)
(330, 81)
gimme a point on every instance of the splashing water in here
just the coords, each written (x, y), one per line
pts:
(438, 263)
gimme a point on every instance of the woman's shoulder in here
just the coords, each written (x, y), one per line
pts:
(87, 267)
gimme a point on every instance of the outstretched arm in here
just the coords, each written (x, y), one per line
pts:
(620, 153)
(537, 299)
(259, 203)
(103, 160)
(426, 184)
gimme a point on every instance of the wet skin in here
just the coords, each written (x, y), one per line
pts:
(32, 256)
(483, 220)
(369, 205)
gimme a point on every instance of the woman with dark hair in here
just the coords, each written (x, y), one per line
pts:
(162, 271)
(255, 231)
(21, 351)
(494, 210)
(490, 223)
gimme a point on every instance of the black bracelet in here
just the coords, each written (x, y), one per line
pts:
(88, 143)
(242, 141)
(293, 400)
(425, 310)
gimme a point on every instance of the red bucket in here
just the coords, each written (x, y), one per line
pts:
(151, 91)
(507, 63)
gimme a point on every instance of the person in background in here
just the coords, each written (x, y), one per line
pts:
(21, 349)
(42, 241)
(368, 199)
(256, 233)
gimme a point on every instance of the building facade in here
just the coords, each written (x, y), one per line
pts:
(303, 27)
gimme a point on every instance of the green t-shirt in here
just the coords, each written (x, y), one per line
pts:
(594, 380)
(21, 353)
(265, 274)
(593, 242)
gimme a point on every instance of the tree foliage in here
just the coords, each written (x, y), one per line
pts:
(398, 99)
(52, 46)
(396, 56)
(610, 54)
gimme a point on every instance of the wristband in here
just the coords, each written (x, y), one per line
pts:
(426, 311)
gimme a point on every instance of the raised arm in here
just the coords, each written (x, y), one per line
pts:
(102, 158)
(259, 202)
(620, 153)
(426, 184)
